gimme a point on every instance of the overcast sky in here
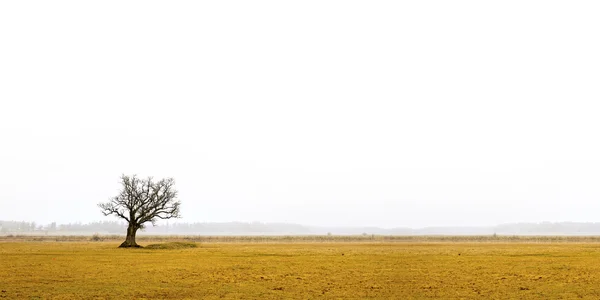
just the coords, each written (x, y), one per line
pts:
(366, 113)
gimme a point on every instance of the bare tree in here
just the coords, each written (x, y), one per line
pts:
(141, 201)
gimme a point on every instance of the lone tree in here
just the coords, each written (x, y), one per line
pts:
(141, 201)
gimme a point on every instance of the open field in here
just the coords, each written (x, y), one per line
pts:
(309, 238)
(378, 270)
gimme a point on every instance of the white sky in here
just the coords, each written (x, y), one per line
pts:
(366, 113)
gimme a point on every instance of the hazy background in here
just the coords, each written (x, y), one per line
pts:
(324, 113)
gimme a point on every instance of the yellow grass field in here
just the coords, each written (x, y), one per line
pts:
(100, 270)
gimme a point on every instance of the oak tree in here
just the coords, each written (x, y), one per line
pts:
(141, 201)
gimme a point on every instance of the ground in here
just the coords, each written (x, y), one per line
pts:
(345, 270)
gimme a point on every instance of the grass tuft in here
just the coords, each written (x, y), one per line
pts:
(172, 245)
(96, 238)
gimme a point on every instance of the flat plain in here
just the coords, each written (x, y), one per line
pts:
(301, 270)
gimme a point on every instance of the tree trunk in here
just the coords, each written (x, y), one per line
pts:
(130, 239)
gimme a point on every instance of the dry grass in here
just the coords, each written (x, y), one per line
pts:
(310, 238)
(100, 270)
(172, 246)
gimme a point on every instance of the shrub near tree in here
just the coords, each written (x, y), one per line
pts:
(141, 201)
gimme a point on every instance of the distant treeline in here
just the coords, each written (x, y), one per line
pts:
(116, 227)
(33, 227)
(257, 228)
